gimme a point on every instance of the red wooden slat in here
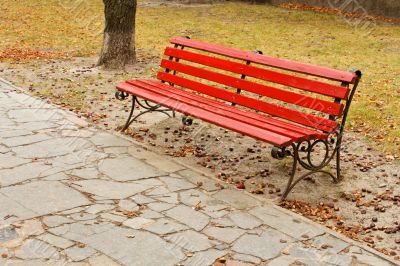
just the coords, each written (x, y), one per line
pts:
(261, 73)
(282, 95)
(207, 116)
(232, 109)
(317, 71)
(195, 100)
(272, 109)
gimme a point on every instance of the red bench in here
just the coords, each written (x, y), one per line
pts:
(295, 107)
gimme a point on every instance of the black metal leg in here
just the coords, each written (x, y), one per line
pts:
(292, 174)
(308, 165)
(338, 174)
(129, 121)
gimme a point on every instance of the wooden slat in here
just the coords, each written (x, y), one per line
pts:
(194, 101)
(207, 116)
(234, 110)
(272, 109)
(309, 69)
(261, 73)
(282, 95)
(251, 114)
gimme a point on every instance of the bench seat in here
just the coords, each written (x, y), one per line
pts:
(276, 132)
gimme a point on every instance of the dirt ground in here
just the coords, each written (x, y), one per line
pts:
(364, 206)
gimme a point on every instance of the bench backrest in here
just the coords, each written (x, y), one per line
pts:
(294, 90)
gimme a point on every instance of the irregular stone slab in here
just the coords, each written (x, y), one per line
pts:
(113, 217)
(4, 149)
(164, 226)
(83, 216)
(24, 140)
(44, 197)
(189, 217)
(176, 184)
(244, 220)
(10, 161)
(56, 220)
(86, 173)
(227, 235)
(13, 210)
(80, 230)
(56, 241)
(30, 228)
(370, 259)
(337, 244)
(137, 222)
(308, 256)
(75, 120)
(207, 184)
(131, 247)
(8, 233)
(116, 151)
(266, 246)
(78, 158)
(21, 173)
(102, 260)
(214, 211)
(141, 199)
(36, 249)
(248, 258)
(79, 254)
(29, 101)
(38, 126)
(160, 206)
(80, 133)
(50, 148)
(149, 214)
(103, 139)
(152, 182)
(205, 257)
(15, 132)
(338, 259)
(128, 205)
(193, 196)
(223, 222)
(127, 168)
(190, 240)
(73, 210)
(236, 198)
(109, 189)
(285, 223)
(171, 198)
(56, 177)
(95, 209)
(164, 164)
(158, 191)
(34, 115)
(283, 261)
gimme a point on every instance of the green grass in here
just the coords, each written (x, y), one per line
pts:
(298, 35)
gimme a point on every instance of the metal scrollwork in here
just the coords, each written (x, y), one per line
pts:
(121, 95)
(303, 153)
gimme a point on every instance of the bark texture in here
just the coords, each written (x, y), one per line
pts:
(119, 34)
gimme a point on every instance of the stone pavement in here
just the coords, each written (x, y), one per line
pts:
(71, 194)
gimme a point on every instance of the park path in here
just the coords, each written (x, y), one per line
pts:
(71, 194)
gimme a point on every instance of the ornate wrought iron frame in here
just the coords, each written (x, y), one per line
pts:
(331, 148)
(121, 95)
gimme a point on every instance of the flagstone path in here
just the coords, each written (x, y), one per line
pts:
(71, 194)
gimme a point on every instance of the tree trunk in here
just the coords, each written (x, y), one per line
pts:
(119, 34)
